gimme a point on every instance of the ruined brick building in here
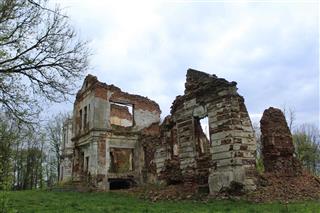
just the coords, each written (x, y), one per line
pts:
(116, 138)
(108, 126)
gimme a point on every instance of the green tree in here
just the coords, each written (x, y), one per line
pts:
(41, 57)
(306, 139)
(7, 138)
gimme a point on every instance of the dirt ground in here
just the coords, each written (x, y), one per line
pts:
(270, 188)
(279, 188)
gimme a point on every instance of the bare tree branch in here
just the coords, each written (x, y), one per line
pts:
(40, 56)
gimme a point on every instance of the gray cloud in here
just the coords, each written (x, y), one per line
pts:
(270, 49)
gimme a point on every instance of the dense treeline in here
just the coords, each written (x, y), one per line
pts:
(29, 157)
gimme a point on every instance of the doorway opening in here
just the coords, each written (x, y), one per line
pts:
(118, 183)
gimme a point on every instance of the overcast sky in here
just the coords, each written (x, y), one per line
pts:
(270, 49)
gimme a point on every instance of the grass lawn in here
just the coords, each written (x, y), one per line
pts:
(43, 201)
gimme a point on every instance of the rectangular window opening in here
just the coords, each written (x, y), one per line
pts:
(87, 164)
(121, 114)
(81, 161)
(80, 121)
(202, 134)
(204, 122)
(121, 160)
(85, 117)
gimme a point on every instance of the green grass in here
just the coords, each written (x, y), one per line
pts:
(43, 201)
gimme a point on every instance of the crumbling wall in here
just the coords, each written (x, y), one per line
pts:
(66, 168)
(66, 151)
(167, 154)
(106, 131)
(277, 145)
(145, 111)
(178, 150)
(160, 157)
(99, 98)
(149, 144)
(232, 142)
(284, 178)
(76, 164)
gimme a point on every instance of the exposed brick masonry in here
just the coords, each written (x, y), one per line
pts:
(277, 145)
(121, 112)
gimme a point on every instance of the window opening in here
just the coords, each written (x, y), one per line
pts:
(121, 114)
(121, 160)
(202, 134)
(85, 117)
(80, 123)
(204, 122)
(87, 164)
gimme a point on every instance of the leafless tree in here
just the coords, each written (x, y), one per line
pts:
(290, 115)
(41, 57)
(55, 137)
